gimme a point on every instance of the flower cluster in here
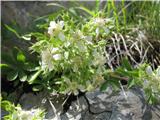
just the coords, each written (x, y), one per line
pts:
(48, 56)
(74, 56)
(102, 25)
(55, 29)
(33, 114)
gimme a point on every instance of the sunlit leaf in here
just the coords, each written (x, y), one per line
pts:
(33, 77)
(4, 65)
(37, 88)
(12, 30)
(21, 57)
(126, 64)
(22, 76)
(12, 75)
(131, 83)
(26, 37)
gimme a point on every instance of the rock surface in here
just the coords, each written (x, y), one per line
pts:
(102, 106)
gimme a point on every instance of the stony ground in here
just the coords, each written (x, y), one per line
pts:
(128, 105)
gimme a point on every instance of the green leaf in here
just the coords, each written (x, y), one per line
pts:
(104, 86)
(21, 57)
(26, 37)
(55, 4)
(102, 43)
(16, 83)
(12, 75)
(37, 88)
(4, 65)
(5, 68)
(6, 105)
(12, 30)
(33, 77)
(22, 76)
(57, 42)
(131, 83)
(7, 58)
(126, 64)
(97, 5)
(15, 53)
(86, 10)
(66, 55)
(30, 67)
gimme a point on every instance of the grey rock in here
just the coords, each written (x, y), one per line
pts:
(77, 110)
(30, 100)
(97, 105)
(24, 12)
(129, 107)
(102, 116)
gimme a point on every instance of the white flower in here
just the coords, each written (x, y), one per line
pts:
(78, 35)
(98, 58)
(81, 46)
(73, 87)
(29, 114)
(99, 22)
(47, 58)
(51, 27)
(97, 30)
(54, 49)
(55, 29)
(61, 36)
(149, 70)
(57, 56)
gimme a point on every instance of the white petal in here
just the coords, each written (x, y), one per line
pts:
(50, 30)
(61, 23)
(61, 36)
(55, 49)
(97, 31)
(57, 56)
(149, 70)
(52, 24)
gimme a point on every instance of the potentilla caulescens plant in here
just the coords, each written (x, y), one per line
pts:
(17, 113)
(72, 58)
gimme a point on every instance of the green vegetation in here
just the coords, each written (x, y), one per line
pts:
(76, 52)
(16, 112)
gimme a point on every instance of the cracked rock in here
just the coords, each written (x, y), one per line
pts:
(98, 105)
(77, 110)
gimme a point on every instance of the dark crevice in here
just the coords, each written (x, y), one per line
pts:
(69, 101)
(95, 113)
